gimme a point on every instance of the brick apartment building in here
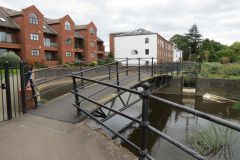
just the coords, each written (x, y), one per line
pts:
(141, 43)
(36, 38)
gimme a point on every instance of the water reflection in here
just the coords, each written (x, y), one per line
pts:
(180, 125)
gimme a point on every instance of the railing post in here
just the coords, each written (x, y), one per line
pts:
(8, 91)
(126, 66)
(152, 68)
(81, 75)
(109, 72)
(34, 95)
(23, 91)
(139, 70)
(77, 102)
(117, 72)
(145, 123)
(199, 67)
(177, 68)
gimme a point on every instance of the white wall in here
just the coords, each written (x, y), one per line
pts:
(177, 55)
(126, 44)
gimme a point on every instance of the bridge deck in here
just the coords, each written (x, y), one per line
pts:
(61, 108)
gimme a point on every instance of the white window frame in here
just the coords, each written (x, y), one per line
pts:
(35, 52)
(33, 18)
(67, 26)
(68, 54)
(34, 37)
(92, 44)
(92, 31)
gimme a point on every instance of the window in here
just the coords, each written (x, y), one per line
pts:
(5, 37)
(67, 26)
(92, 32)
(68, 41)
(68, 54)
(146, 51)
(34, 37)
(35, 52)
(134, 52)
(92, 43)
(146, 40)
(33, 18)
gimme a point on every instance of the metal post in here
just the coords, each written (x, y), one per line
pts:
(145, 123)
(23, 92)
(117, 73)
(81, 75)
(77, 101)
(177, 68)
(139, 70)
(152, 68)
(109, 72)
(8, 91)
(126, 66)
(34, 95)
(199, 67)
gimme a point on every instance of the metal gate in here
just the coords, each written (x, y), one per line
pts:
(12, 87)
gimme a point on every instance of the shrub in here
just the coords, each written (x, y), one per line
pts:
(224, 60)
(93, 63)
(12, 59)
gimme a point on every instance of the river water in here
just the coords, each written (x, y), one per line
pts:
(177, 124)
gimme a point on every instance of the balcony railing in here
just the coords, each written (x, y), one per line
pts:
(6, 41)
(50, 44)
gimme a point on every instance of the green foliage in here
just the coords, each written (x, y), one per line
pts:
(12, 59)
(236, 105)
(211, 140)
(226, 53)
(93, 63)
(235, 47)
(218, 70)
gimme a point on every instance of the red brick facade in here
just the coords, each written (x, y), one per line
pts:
(49, 41)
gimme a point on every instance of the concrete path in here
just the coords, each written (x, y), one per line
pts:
(32, 137)
(62, 109)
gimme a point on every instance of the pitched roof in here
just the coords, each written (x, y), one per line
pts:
(11, 12)
(6, 21)
(139, 31)
(78, 35)
(99, 39)
(47, 29)
(80, 27)
(51, 21)
(117, 33)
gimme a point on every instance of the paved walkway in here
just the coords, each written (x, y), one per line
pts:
(37, 138)
(62, 109)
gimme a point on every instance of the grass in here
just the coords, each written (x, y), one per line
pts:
(11, 71)
(211, 140)
(218, 70)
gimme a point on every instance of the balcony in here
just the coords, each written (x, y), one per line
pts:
(50, 46)
(100, 49)
(9, 44)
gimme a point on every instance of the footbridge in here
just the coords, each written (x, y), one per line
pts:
(94, 91)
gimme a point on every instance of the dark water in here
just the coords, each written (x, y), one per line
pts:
(177, 124)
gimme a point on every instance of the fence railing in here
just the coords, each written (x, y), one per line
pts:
(144, 123)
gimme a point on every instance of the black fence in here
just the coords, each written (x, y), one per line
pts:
(12, 87)
(145, 96)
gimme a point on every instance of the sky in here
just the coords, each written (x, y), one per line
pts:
(216, 19)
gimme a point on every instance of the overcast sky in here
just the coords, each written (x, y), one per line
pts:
(216, 19)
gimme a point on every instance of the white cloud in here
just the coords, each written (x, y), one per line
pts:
(217, 19)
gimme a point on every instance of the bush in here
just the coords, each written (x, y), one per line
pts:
(224, 60)
(93, 63)
(12, 59)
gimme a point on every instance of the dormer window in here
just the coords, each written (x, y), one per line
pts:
(33, 18)
(67, 26)
(92, 32)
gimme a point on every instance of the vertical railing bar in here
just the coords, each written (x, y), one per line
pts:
(109, 71)
(14, 96)
(3, 105)
(8, 91)
(152, 68)
(139, 70)
(81, 68)
(117, 72)
(77, 101)
(23, 93)
(18, 99)
(145, 123)
(126, 66)
(34, 95)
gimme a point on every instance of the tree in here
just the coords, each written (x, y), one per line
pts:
(181, 43)
(226, 53)
(206, 50)
(235, 48)
(194, 39)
